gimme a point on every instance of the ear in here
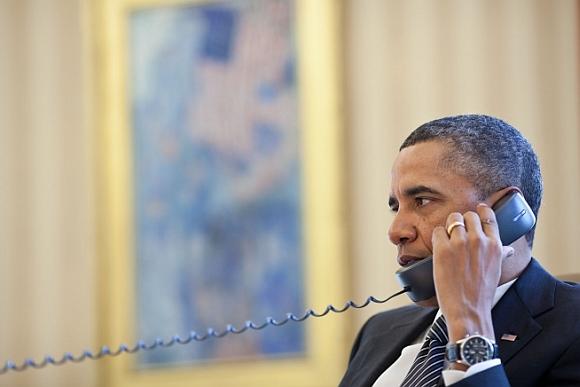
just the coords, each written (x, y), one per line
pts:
(494, 197)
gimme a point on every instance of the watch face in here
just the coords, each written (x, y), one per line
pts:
(475, 350)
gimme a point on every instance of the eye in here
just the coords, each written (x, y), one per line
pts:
(422, 201)
(393, 204)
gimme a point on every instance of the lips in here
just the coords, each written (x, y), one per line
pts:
(406, 260)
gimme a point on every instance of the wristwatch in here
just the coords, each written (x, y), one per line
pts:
(471, 350)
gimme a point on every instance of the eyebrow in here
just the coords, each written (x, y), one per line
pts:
(413, 191)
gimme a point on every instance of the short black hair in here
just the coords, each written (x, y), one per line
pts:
(489, 152)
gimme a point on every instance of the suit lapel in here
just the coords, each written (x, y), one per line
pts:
(511, 317)
(401, 335)
(383, 344)
(531, 295)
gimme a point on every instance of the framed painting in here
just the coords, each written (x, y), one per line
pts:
(220, 163)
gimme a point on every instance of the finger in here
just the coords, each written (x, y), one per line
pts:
(488, 221)
(473, 224)
(455, 225)
(439, 238)
(439, 234)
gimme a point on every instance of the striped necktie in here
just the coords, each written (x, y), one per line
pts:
(427, 367)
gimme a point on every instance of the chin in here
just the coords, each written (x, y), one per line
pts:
(430, 302)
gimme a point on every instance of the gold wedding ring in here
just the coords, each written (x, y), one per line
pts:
(453, 225)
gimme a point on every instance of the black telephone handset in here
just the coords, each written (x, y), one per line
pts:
(514, 219)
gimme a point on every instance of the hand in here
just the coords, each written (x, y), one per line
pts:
(467, 269)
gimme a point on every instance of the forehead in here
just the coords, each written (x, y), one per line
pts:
(422, 155)
(421, 164)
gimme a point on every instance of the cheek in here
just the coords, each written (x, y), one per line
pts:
(425, 231)
(428, 224)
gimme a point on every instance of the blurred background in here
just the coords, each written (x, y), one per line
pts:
(404, 62)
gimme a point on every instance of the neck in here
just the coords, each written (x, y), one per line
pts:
(514, 265)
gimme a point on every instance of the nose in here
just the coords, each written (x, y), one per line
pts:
(402, 229)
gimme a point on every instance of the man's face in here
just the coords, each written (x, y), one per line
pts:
(423, 194)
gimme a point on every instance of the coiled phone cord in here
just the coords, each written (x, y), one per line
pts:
(30, 363)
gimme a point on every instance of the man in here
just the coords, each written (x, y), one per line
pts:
(447, 176)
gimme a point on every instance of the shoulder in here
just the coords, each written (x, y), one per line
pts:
(404, 312)
(397, 317)
(568, 293)
(543, 291)
(553, 303)
(393, 326)
(567, 303)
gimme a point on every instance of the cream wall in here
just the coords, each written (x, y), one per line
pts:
(47, 233)
(407, 61)
(412, 61)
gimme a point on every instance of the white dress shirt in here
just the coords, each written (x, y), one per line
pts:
(395, 374)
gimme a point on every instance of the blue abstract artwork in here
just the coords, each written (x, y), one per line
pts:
(217, 178)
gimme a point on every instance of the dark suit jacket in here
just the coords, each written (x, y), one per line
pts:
(541, 311)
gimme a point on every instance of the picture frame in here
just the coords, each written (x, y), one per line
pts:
(323, 358)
